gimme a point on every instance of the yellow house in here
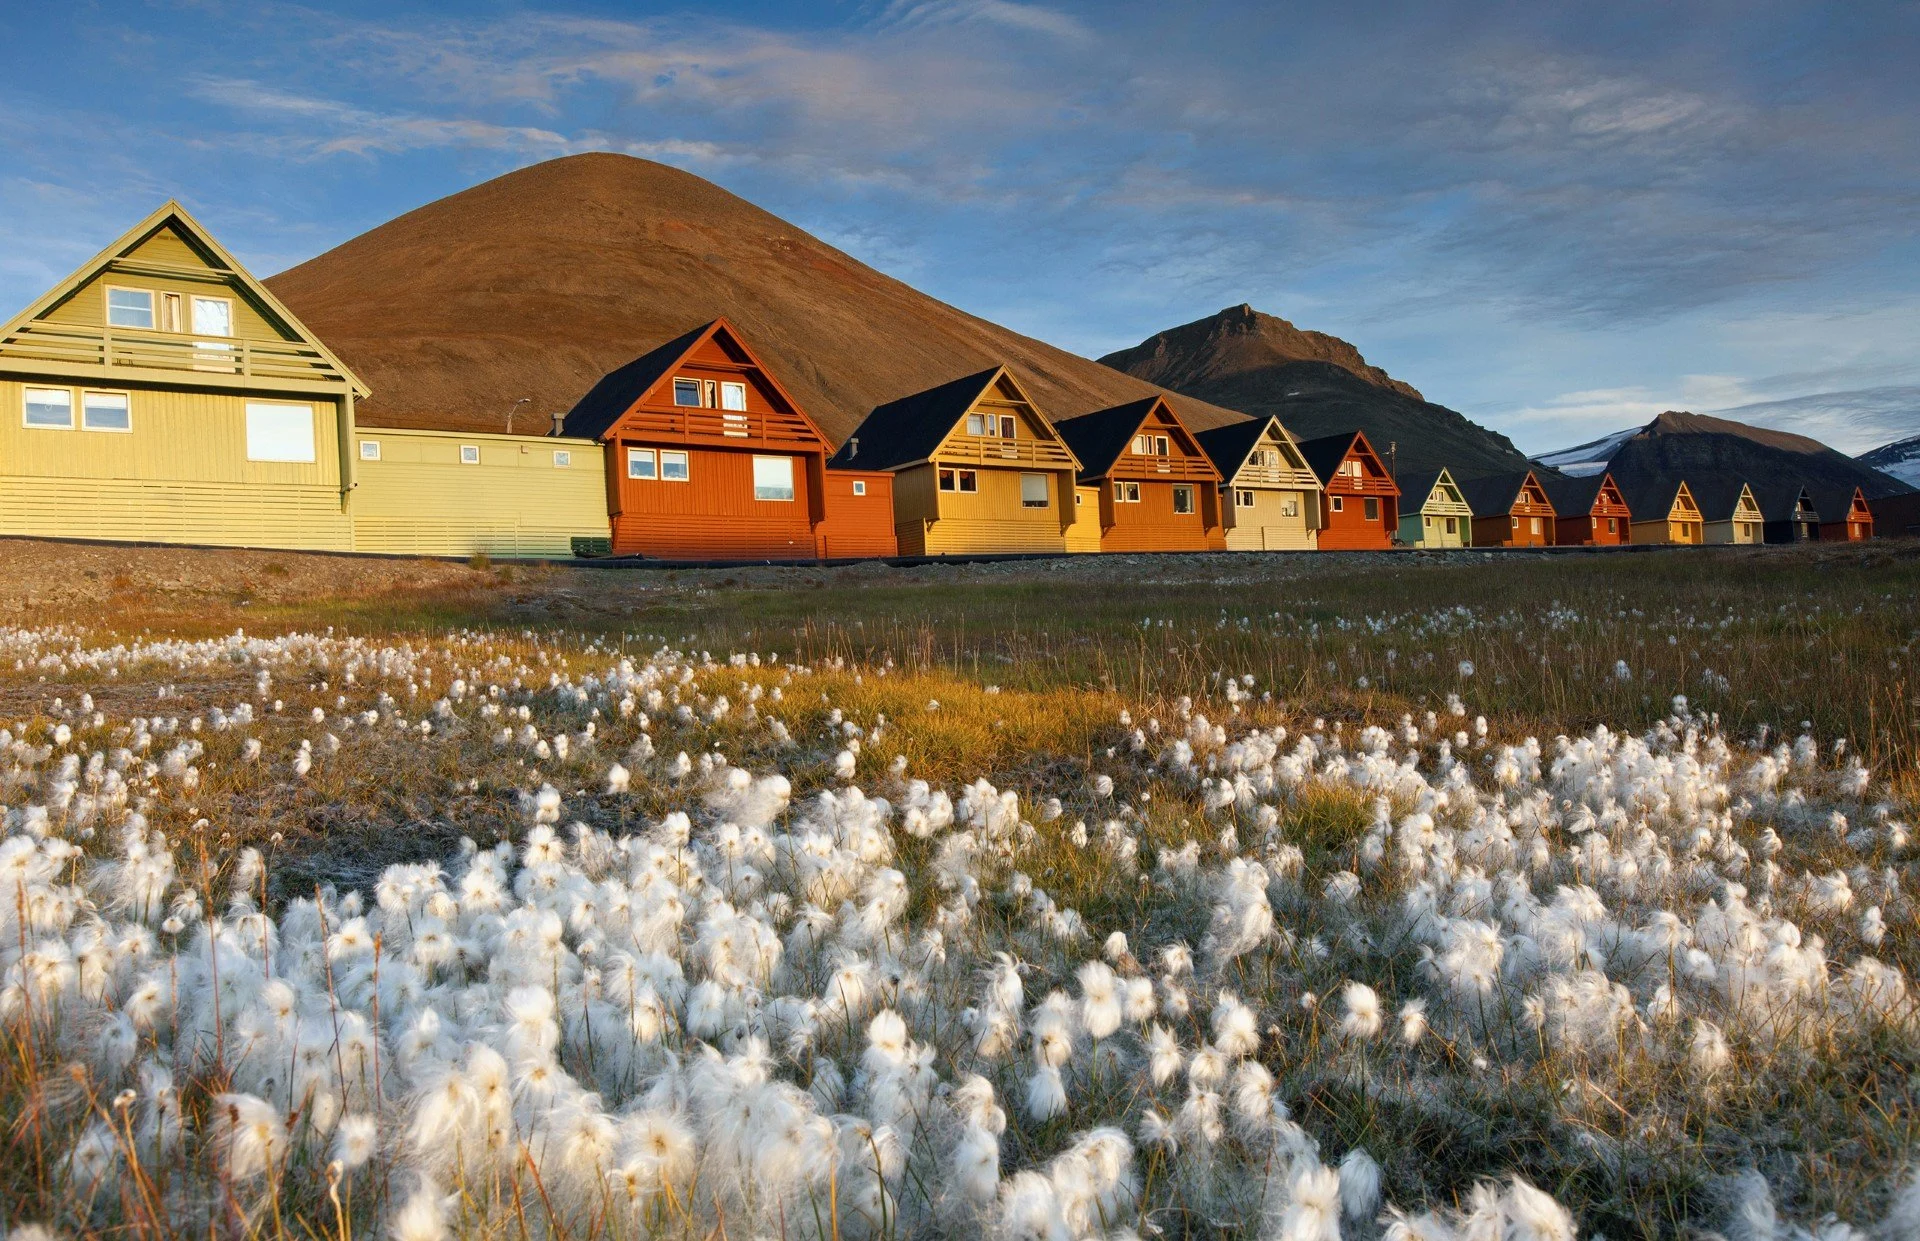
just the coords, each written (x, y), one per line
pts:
(1731, 513)
(458, 493)
(160, 393)
(977, 469)
(1270, 498)
(1663, 510)
(1083, 535)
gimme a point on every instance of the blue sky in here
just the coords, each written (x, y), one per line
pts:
(1558, 219)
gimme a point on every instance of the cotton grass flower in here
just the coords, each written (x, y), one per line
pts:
(1362, 1019)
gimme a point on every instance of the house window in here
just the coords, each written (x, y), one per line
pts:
(1243, 497)
(51, 408)
(1535, 527)
(773, 478)
(978, 424)
(1142, 445)
(733, 396)
(280, 433)
(1126, 493)
(1033, 491)
(1183, 500)
(130, 308)
(686, 392)
(1078, 499)
(1453, 525)
(1290, 507)
(1427, 522)
(1006, 426)
(106, 411)
(212, 316)
(641, 463)
(469, 454)
(1337, 503)
(947, 478)
(709, 393)
(859, 486)
(1516, 524)
(369, 450)
(1613, 525)
(969, 480)
(169, 312)
(1371, 508)
(673, 466)
(562, 458)
(1353, 468)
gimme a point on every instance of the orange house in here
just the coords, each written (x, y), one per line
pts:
(1588, 511)
(709, 458)
(1363, 501)
(1509, 510)
(1844, 517)
(1159, 491)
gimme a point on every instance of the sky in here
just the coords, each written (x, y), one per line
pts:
(1558, 219)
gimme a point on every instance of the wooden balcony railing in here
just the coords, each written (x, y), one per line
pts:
(134, 349)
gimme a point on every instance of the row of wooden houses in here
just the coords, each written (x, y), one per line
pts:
(165, 395)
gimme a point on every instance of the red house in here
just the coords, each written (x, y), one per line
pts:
(1588, 511)
(709, 458)
(1509, 510)
(1363, 501)
(1845, 516)
(1159, 491)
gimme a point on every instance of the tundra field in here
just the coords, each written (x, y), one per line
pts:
(1291, 898)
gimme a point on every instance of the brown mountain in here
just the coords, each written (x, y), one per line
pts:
(1316, 384)
(537, 283)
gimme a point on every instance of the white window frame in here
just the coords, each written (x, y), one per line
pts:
(947, 480)
(1337, 503)
(1162, 447)
(1184, 490)
(1535, 526)
(859, 486)
(1046, 492)
(1453, 525)
(312, 448)
(469, 454)
(979, 424)
(1141, 444)
(193, 315)
(369, 450)
(729, 387)
(1426, 521)
(967, 481)
(87, 425)
(563, 458)
(1009, 427)
(635, 456)
(685, 463)
(153, 307)
(72, 414)
(678, 381)
(792, 488)
(1126, 492)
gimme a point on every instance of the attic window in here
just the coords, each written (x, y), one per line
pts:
(686, 392)
(130, 308)
(1142, 445)
(1353, 468)
(1160, 445)
(733, 396)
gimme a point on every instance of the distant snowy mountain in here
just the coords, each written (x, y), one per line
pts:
(1588, 458)
(1900, 459)
(1851, 421)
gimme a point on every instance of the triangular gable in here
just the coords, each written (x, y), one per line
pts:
(1532, 492)
(123, 254)
(1683, 501)
(1746, 499)
(1326, 454)
(598, 414)
(1002, 385)
(1101, 440)
(1608, 494)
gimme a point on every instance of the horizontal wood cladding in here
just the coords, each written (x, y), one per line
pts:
(858, 525)
(1592, 531)
(989, 520)
(1152, 525)
(1083, 535)
(1513, 530)
(422, 497)
(1668, 531)
(959, 536)
(1348, 528)
(713, 514)
(290, 516)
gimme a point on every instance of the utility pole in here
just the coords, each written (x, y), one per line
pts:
(525, 400)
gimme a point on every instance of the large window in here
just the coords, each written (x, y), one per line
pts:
(733, 396)
(1372, 509)
(212, 316)
(280, 433)
(1033, 491)
(959, 480)
(1001, 425)
(773, 478)
(686, 392)
(50, 408)
(1183, 500)
(641, 463)
(673, 466)
(130, 308)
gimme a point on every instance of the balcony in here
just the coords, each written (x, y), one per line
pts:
(82, 351)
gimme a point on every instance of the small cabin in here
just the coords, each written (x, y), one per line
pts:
(1435, 513)
(1270, 498)
(1510, 510)
(161, 393)
(1589, 510)
(1664, 510)
(1845, 516)
(1730, 513)
(708, 457)
(1787, 513)
(977, 469)
(1362, 499)
(1158, 489)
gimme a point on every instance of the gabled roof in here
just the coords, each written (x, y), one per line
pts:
(1573, 495)
(1779, 500)
(596, 414)
(1228, 447)
(1718, 497)
(1100, 439)
(1418, 486)
(1650, 496)
(1834, 503)
(1325, 454)
(1496, 493)
(909, 430)
(216, 255)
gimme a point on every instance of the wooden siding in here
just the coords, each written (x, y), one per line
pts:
(147, 267)
(1428, 528)
(858, 525)
(989, 521)
(714, 515)
(1855, 527)
(1265, 526)
(1349, 529)
(421, 499)
(1152, 525)
(1746, 526)
(1681, 525)
(1084, 534)
(290, 516)
(1528, 523)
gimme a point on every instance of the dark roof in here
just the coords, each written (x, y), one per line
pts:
(1228, 446)
(1834, 501)
(1717, 495)
(1325, 454)
(1572, 495)
(909, 429)
(609, 400)
(1418, 485)
(1649, 495)
(1493, 495)
(1099, 438)
(1778, 499)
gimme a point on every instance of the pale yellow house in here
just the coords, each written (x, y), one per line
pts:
(1730, 512)
(161, 394)
(977, 469)
(1270, 498)
(1664, 510)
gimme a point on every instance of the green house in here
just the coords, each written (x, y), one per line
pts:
(1433, 512)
